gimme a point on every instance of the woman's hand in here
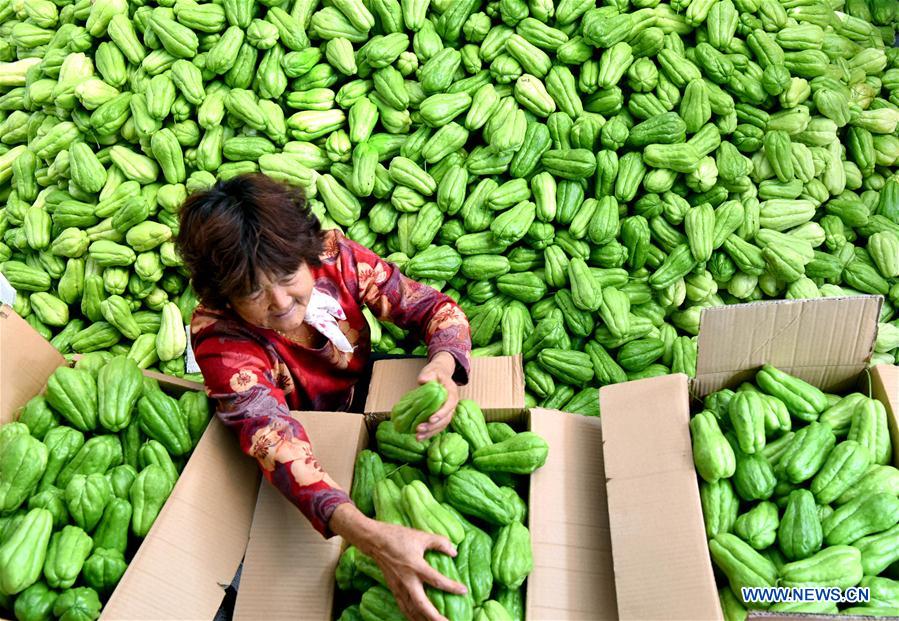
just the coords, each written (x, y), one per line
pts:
(399, 552)
(440, 369)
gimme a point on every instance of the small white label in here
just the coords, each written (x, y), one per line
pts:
(7, 292)
(190, 363)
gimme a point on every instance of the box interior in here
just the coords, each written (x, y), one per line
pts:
(658, 534)
(193, 550)
(572, 576)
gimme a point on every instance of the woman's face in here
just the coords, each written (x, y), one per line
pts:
(277, 304)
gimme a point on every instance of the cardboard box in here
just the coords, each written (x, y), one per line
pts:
(289, 568)
(196, 543)
(662, 565)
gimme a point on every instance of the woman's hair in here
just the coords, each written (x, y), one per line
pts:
(239, 228)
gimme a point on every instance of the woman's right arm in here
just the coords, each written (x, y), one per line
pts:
(239, 376)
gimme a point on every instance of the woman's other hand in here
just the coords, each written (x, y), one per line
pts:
(399, 552)
(439, 369)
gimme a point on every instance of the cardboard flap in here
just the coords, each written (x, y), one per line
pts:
(28, 360)
(825, 341)
(572, 576)
(289, 567)
(496, 384)
(633, 403)
(196, 543)
(885, 388)
(655, 515)
(172, 385)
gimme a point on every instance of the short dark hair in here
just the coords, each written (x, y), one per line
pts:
(238, 228)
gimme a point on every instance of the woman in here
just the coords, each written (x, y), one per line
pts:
(280, 327)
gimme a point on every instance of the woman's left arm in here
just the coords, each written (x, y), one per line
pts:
(412, 305)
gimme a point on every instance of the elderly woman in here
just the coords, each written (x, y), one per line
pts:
(280, 327)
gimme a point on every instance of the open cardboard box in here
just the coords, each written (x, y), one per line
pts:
(289, 568)
(196, 543)
(662, 565)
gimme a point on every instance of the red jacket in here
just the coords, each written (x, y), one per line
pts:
(258, 376)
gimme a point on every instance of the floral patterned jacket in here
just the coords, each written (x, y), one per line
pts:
(258, 376)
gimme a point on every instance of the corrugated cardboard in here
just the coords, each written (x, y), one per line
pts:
(498, 388)
(885, 388)
(658, 535)
(196, 543)
(827, 342)
(572, 577)
(26, 361)
(662, 565)
(290, 568)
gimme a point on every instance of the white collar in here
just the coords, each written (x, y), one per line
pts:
(322, 313)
